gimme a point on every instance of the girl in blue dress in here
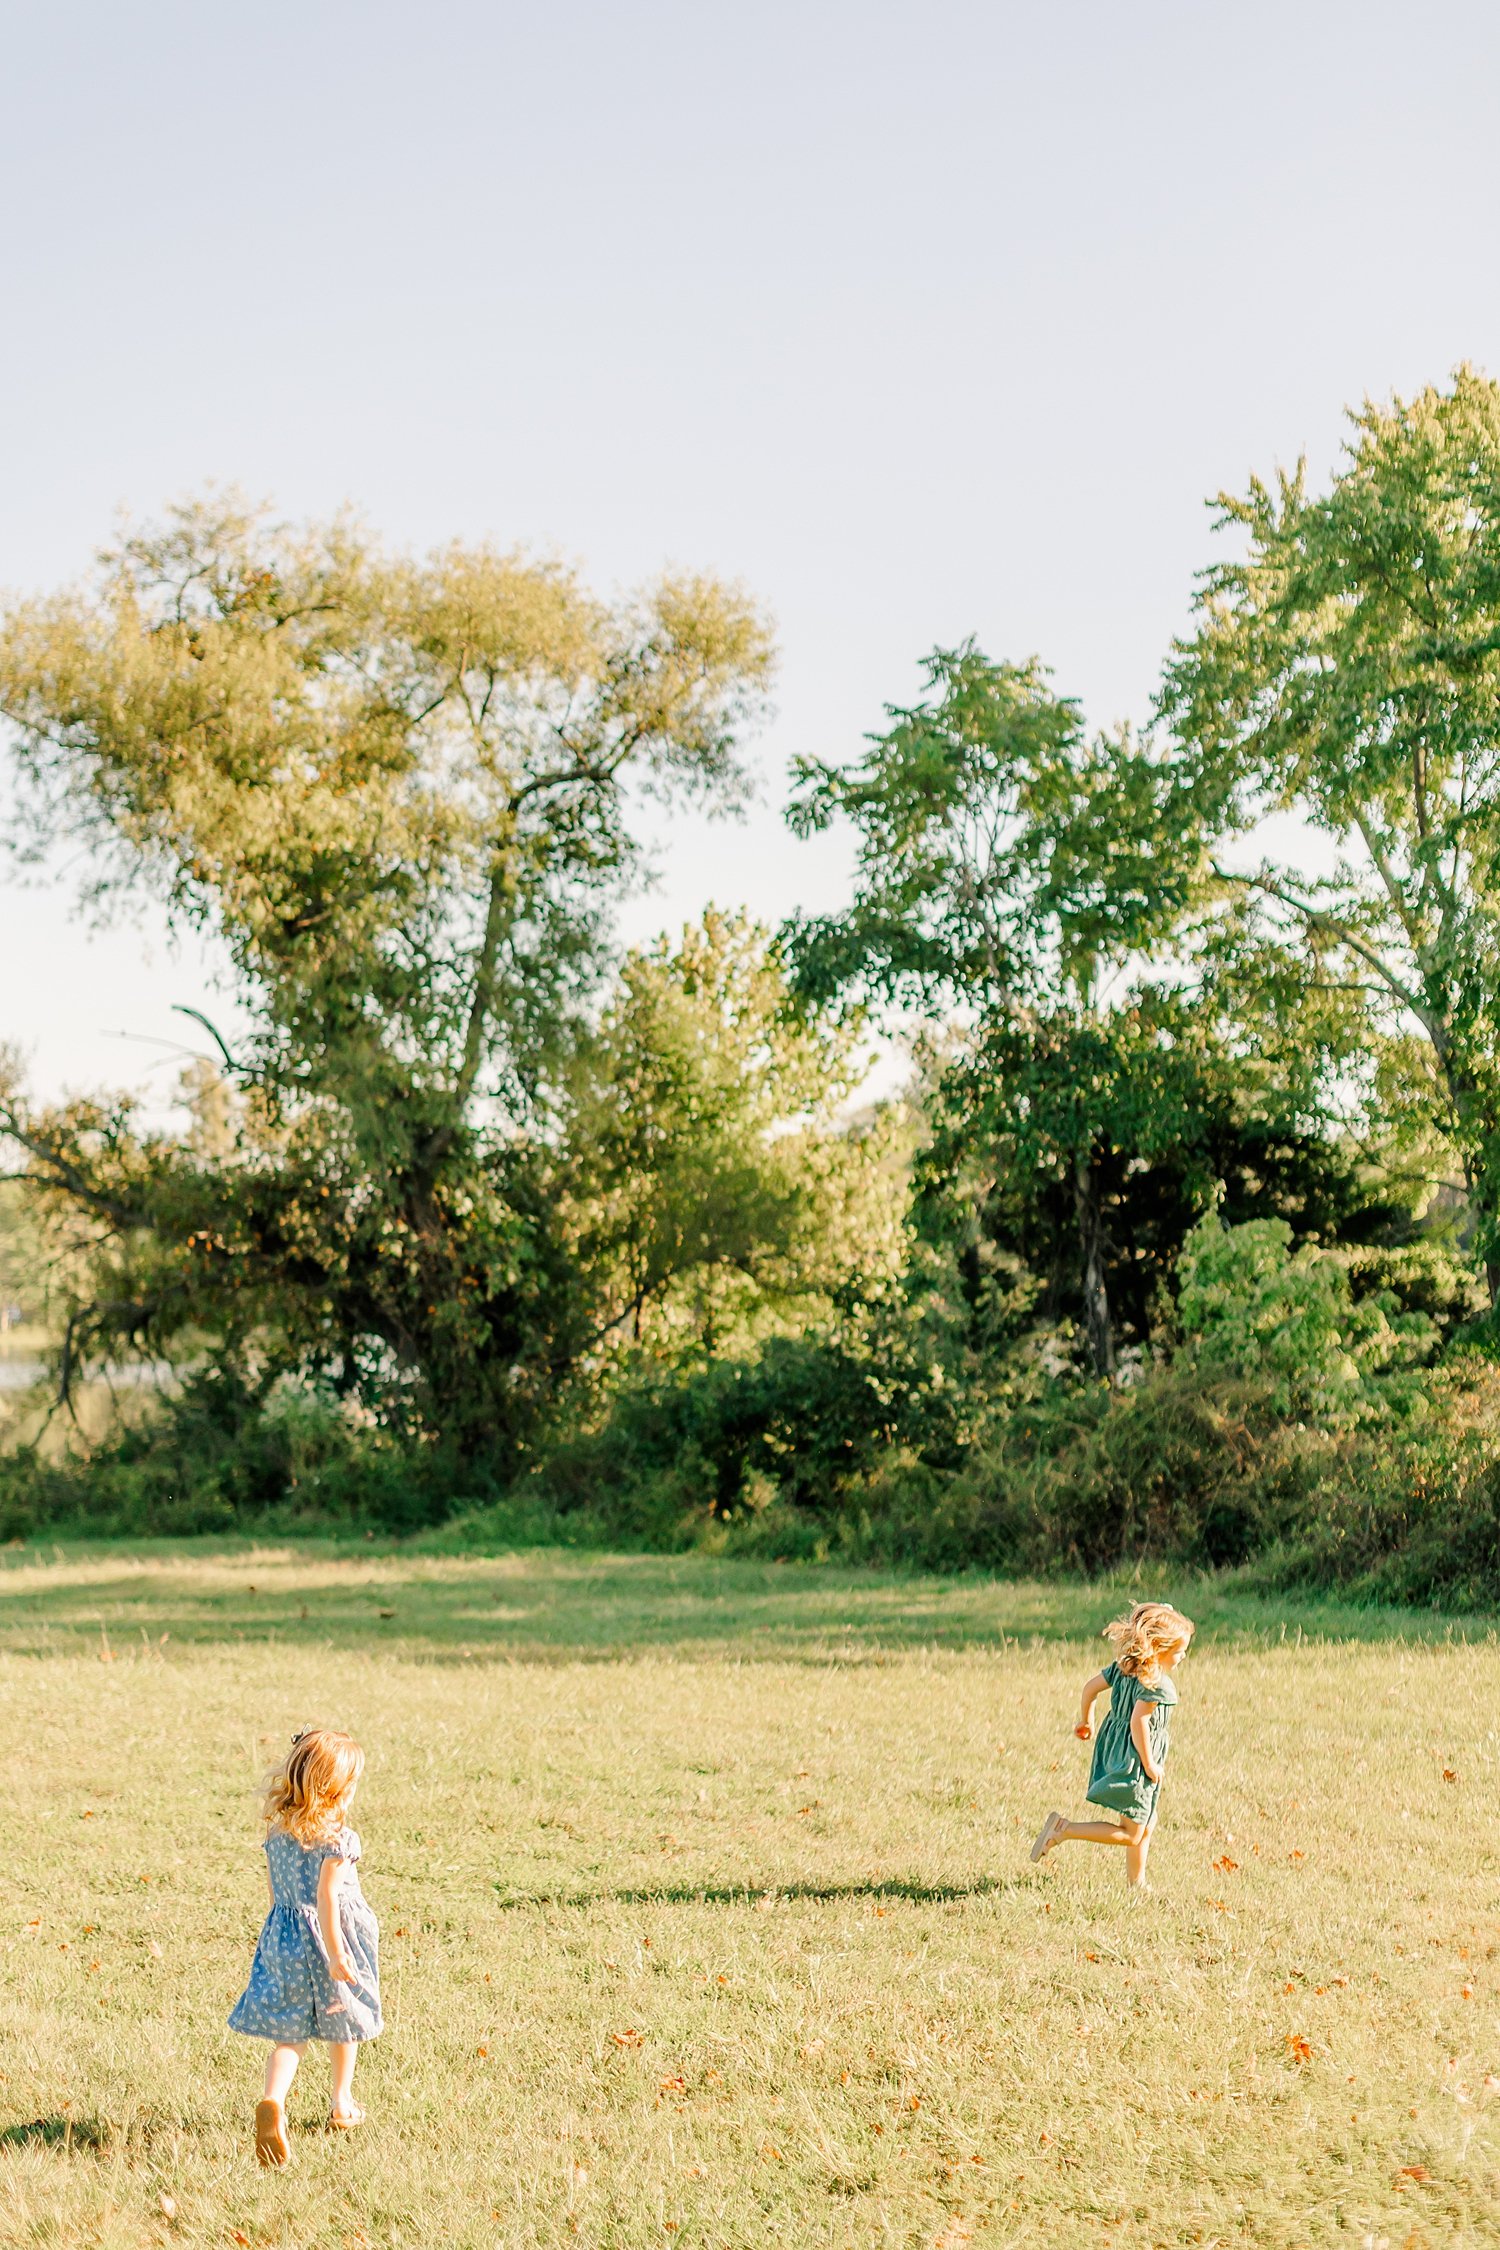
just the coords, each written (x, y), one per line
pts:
(1131, 1750)
(316, 1971)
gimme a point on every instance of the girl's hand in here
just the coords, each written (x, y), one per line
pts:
(340, 1971)
(1085, 1733)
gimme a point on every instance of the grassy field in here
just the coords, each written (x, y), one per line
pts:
(707, 1918)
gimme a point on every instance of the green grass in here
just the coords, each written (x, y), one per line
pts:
(707, 1917)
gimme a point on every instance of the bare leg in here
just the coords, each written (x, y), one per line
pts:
(342, 2056)
(281, 2069)
(271, 2144)
(1136, 1856)
(1095, 1832)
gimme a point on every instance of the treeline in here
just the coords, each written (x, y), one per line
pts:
(1185, 1240)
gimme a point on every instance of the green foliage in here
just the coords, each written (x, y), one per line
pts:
(1346, 670)
(397, 789)
(1248, 1304)
(1158, 1264)
(715, 1195)
(999, 851)
(216, 1457)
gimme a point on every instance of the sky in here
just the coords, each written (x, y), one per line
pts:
(923, 321)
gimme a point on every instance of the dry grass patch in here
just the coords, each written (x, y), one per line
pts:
(707, 1918)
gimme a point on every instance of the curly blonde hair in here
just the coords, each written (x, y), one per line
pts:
(308, 1793)
(1146, 1635)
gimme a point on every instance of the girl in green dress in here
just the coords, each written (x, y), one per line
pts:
(1131, 1750)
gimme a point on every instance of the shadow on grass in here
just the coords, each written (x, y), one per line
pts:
(565, 1606)
(57, 2132)
(906, 1888)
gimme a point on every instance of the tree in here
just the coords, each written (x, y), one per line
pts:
(1007, 865)
(1178, 1119)
(719, 1196)
(1345, 670)
(398, 789)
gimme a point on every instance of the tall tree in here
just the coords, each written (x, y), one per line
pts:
(398, 790)
(1345, 670)
(719, 1194)
(1008, 865)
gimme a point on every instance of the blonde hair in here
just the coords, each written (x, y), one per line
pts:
(1143, 1638)
(307, 1793)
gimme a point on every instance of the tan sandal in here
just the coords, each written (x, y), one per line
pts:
(272, 2148)
(1048, 1830)
(345, 2120)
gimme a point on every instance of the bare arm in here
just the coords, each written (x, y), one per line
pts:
(270, 1886)
(330, 1875)
(1092, 1690)
(1140, 1735)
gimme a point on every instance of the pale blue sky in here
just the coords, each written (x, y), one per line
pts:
(923, 320)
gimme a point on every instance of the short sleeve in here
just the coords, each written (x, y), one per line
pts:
(345, 1846)
(1111, 1674)
(1156, 1691)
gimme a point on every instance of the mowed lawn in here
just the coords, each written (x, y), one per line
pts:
(707, 1917)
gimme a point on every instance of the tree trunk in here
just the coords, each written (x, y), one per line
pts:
(1098, 1326)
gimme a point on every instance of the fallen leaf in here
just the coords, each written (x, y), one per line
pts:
(677, 2084)
(1449, 1774)
(1226, 1866)
(631, 2038)
(482, 2051)
(1414, 2172)
(1298, 2048)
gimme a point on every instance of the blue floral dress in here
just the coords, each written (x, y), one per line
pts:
(291, 1996)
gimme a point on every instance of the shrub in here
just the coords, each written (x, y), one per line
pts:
(1248, 1305)
(214, 1458)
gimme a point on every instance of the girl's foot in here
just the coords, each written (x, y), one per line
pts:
(345, 2120)
(272, 2147)
(1047, 1836)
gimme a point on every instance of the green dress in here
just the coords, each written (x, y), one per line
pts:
(1117, 1778)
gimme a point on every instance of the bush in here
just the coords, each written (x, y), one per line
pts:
(1250, 1306)
(1410, 1511)
(802, 1422)
(214, 1458)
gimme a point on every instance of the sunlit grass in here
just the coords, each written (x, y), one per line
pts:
(707, 1916)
